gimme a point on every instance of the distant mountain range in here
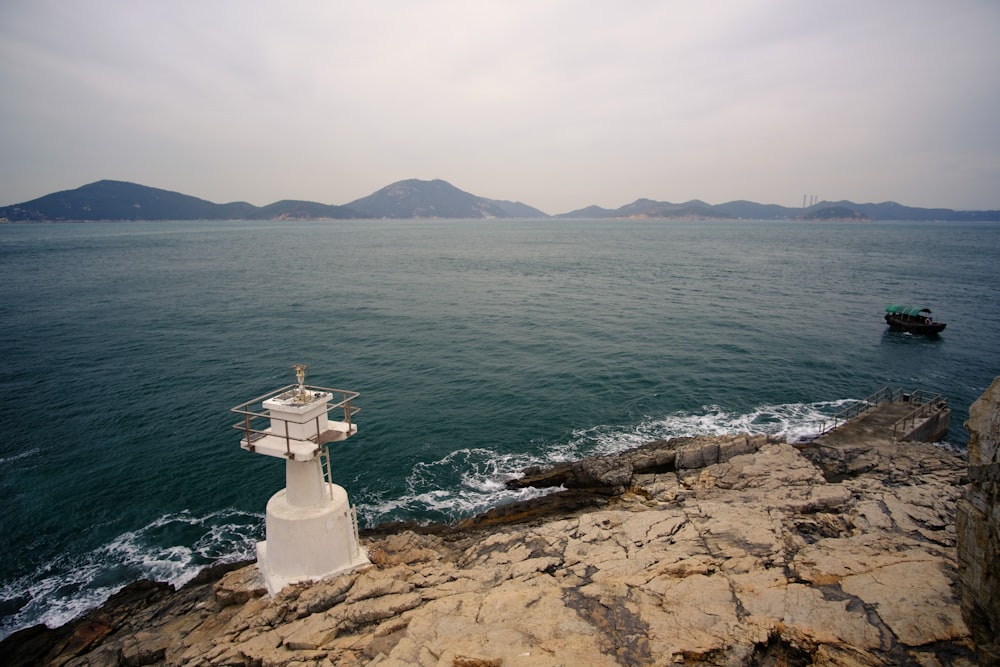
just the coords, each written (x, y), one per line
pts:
(748, 210)
(120, 200)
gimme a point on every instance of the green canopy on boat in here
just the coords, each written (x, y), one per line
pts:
(898, 309)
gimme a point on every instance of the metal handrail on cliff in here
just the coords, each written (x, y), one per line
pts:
(927, 404)
(862, 406)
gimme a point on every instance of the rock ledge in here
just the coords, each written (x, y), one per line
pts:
(720, 550)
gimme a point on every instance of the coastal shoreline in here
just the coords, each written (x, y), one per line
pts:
(711, 550)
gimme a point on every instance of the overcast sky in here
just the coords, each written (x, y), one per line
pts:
(558, 104)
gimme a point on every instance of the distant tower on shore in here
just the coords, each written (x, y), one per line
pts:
(311, 527)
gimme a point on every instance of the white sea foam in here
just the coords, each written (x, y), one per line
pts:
(219, 537)
(481, 472)
(59, 591)
(5, 460)
(791, 421)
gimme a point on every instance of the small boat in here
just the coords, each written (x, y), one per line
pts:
(913, 319)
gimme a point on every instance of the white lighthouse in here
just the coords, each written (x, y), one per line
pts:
(311, 527)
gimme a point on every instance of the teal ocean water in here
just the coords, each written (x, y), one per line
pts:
(479, 347)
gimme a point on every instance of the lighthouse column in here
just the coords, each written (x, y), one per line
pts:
(305, 484)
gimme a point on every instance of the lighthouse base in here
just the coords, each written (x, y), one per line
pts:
(308, 543)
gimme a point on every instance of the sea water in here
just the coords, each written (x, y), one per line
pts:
(479, 348)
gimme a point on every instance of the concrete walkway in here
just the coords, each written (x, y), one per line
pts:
(875, 424)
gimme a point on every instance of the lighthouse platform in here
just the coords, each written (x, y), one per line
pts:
(294, 423)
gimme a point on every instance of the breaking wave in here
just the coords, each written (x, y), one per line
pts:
(5, 460)
(467, 482)
(172, 549)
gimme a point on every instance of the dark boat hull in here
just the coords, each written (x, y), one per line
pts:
(903, 324)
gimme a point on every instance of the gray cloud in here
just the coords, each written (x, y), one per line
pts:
(557, 104)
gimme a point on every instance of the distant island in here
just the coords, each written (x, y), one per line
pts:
(108, 200)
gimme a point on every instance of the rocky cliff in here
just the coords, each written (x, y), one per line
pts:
(979, 528)
(720, 550)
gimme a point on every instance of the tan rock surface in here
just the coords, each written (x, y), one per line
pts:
(979, 527)
(752, 559)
